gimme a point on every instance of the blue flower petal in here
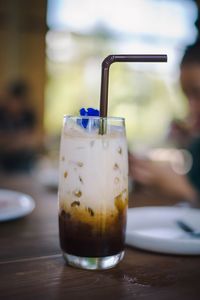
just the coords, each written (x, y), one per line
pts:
(84, 122)
(88, 112)
(93, 112)
(83, 112)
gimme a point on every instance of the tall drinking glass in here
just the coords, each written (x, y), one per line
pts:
(93, 191)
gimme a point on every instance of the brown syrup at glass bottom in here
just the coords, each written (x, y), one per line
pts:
(103, 236)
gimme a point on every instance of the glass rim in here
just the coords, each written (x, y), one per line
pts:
(94, 118)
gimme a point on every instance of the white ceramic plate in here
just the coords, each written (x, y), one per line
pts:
(155, 229)
(14, 205)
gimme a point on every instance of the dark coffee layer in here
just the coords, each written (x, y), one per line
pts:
(86, 240)
(89, 233)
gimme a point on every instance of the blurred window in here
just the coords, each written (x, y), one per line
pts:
(147, 95)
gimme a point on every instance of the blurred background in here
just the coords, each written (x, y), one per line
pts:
(51, 53)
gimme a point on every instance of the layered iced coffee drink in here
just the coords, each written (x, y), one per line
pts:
(93, 191)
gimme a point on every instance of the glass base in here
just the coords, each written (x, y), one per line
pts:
(93, 263)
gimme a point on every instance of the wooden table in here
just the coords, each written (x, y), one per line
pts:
(31, 265)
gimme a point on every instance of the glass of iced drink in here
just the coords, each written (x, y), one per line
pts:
(93, 191)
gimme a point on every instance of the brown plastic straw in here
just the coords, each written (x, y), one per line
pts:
(121, 58)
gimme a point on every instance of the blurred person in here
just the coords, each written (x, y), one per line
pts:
(160, 175)
(19, 140)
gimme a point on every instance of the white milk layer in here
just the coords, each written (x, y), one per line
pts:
(93, 168)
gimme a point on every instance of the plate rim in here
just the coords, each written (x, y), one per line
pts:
(14, 216)
(141, 241)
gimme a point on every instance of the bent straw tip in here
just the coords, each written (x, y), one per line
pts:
(133, 58)
(108, 60)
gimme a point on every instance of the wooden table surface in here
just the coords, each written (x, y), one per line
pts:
(32, 267)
